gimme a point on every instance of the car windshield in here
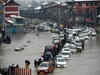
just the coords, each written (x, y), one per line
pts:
(65, 53)
(60, 60)
(59, 56)
(43, 65)
(66, 49)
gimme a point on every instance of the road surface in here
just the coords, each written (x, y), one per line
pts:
(86, 63)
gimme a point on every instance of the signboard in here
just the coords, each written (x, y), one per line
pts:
(1, 14)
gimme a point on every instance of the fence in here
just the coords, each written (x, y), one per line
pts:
(17, 71)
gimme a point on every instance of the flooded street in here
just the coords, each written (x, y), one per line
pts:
(33, 47)
(86, 63)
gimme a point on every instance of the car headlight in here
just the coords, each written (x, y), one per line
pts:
(58, 65)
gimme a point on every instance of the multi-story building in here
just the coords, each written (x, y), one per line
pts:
(11, 8)
(86, 11)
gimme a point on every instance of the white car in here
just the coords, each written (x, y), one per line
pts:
(66, 50)
(70, 45)
(71, 48)
(55, 36)
(59, 56)
(66, 55)
(61, 62)
(55, 41)
(70, 37)
(47, 28)
(76, 38)
(85, 32)
(93, 33)
(61, 36)
(78, 44)
(84, 37)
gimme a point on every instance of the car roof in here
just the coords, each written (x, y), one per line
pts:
(65, 51)
(61, 58)
(65, 48)
(45, 62)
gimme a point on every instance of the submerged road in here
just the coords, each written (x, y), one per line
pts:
(86, 63)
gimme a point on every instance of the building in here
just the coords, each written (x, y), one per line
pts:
(11, 8)
(1, 14)
(52, 11)
(1, 20)
(86, 11)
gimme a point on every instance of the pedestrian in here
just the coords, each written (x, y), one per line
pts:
(3, 33)
(40, 60)
(17, 66)
(35, 63)
(37, 30)
(27, 64)
(12, 69)
(82, 44)
(79, 50)
(33, 28)
(14, 30)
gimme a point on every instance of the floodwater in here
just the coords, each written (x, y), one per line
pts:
(85, 63)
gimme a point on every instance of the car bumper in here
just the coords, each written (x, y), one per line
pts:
(61, 66)
(45, 72)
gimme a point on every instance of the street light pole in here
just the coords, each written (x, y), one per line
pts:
(60, 6)
(59, 14)
(73, 17)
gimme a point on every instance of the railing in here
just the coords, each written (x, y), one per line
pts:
(16, 71)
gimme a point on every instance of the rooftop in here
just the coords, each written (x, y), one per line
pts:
(12, 2)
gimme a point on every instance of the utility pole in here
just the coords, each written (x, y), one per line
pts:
(59, 14)
(73, 16)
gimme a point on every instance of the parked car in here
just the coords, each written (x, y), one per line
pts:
(59, 56)
(65, 55)
(93, 33)
(40, 28)
(72, 48)
(61, 36)
(78, 44)
(70, 45)
(55, 30)
(85, 34)
(55, 36)
(45, 68)
(49, 51)
(61, 63)
(66, 50)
